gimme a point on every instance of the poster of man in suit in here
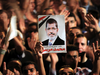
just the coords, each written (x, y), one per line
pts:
(52, 33)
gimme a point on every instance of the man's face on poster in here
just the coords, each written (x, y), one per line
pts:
(51, 31)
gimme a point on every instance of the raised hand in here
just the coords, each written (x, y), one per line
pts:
(7, 71)
(91, 22)
(96, 64)
(82, 11)
(31, 43)
(65, 13)
(54, 60)
(39, 49)
(96, 51)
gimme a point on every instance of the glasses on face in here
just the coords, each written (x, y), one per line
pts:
(26, 71)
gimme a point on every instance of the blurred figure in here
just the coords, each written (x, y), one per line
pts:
(73, 6)
(55, 4)
(4, 15)
(30, 15)
(97, 4)
(71, 22)
(48, 11)
(32, 5)
(86, 4)
(72, 34)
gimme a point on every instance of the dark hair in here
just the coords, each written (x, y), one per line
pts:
(71, 47)
(76, 28)
(30, 29)
(72, 15)
(95, 13)
(28, 63)
(51, 20)
(81, 35)
(7, 12)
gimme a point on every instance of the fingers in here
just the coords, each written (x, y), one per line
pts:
(91, 19)
(39, 47)
(62, 10)
(9, 72)
(96, 44)
(86, 24)
(82, 11)
(86, 19)
(16, 72)
(6, 71)
(93, 47)
(4, 68)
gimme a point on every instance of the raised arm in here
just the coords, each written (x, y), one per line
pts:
(65, 13)
(54, 60)
(39, 49)
(19, 14)
(43, 6)
(96, 64)
(3, 50)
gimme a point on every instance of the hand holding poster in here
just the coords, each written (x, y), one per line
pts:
(52, 33)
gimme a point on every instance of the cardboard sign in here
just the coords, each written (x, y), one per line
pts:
(52, 33)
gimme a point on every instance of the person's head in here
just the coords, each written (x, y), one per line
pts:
(29, 68)
(72, 34)
(84, 2)
(39, 2)
(51, 28)
(5, 17)
(24, 4)
(55, 3)
(96, 2)
(48, 11)
(71, 21)
(66, 70)
(33, 31)
(95, 13)
(72, 4)
(32, 5)
(71, 58)
(81, 42)
(14, 64)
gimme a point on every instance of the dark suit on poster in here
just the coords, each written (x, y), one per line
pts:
(58, 41)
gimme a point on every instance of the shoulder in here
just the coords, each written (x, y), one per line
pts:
(59, 41)
(58, 38)
(45, 42)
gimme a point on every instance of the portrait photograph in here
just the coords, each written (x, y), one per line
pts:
(52, 33)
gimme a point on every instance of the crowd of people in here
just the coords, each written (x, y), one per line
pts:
(23, 54)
